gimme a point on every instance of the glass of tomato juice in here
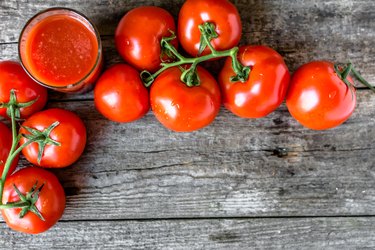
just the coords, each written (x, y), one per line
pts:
(61, 49)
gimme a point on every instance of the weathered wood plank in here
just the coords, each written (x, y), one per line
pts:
(303, 233)
(142, 170)
(230, 169)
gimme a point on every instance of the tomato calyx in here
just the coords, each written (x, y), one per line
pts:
(189, 75)
(167, 53)
(242, 72)
(27, 201)
(17, 106)
(42, 138)
(344, 70)
(210, 33)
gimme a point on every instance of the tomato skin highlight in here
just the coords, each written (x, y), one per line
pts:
(182, 108)
(5, 146)
(120, 94)
(318, 99)
(266, 87)
(13, 76)
(139, 33)
(71, 133)
(222, 13)
(51, 202)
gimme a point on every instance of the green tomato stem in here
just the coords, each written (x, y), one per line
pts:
(362, 80)
(10, 158)
(12, 155)
(18, 204)
(207, 34)
(27, 203)
(346, 71)
(42, 138)
(242, 72)
(195, 61)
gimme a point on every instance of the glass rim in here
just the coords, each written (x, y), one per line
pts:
(98, 39)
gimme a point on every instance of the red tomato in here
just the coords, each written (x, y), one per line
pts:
(182, 108)
(5, 146)
(13, 76)
(120, 94)
(139, 33)
(71, 133)
(266, 87)
(51, 201)
(220, 12)
(318, 98)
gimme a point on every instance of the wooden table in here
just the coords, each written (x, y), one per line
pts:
(141, 186)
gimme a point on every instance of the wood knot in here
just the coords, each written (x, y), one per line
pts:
(281, 152)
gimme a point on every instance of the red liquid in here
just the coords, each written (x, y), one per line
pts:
(61, 50)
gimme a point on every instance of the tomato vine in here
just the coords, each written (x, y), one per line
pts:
(344, 70)
(26, 202)
(189, 75)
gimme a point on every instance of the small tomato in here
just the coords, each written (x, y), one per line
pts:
(318, 98)
(139, 33)
(265, 88)
(13, 76)
(50, 202)
(182, 108)
(120, 94)
(70, 133)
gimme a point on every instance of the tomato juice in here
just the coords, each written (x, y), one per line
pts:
(61, 49)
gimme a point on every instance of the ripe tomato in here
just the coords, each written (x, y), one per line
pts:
(182, 108)
(318, 98)
(220, 12)
(120, 94)
(51, 201)
(13, 76)
(139, 33)
(71, 133)
(5, 146)
(266, 87)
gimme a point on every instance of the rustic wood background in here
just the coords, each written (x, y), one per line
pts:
(141, 186)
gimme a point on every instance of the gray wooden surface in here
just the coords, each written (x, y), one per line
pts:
(141, 186)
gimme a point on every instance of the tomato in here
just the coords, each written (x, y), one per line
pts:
(318, 98)
(265, 88)
(51, 201)
(120, 94)
(13, 76)
(5, 146)
(182, 108)
(139, 33)
(70, 133)
(222, 13)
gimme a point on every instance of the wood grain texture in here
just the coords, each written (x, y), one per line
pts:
(303, 233)
(232, 168)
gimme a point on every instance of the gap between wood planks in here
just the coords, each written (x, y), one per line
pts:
(219, 218)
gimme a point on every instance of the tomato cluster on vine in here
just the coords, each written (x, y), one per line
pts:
(32, 199)
(184, 97)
